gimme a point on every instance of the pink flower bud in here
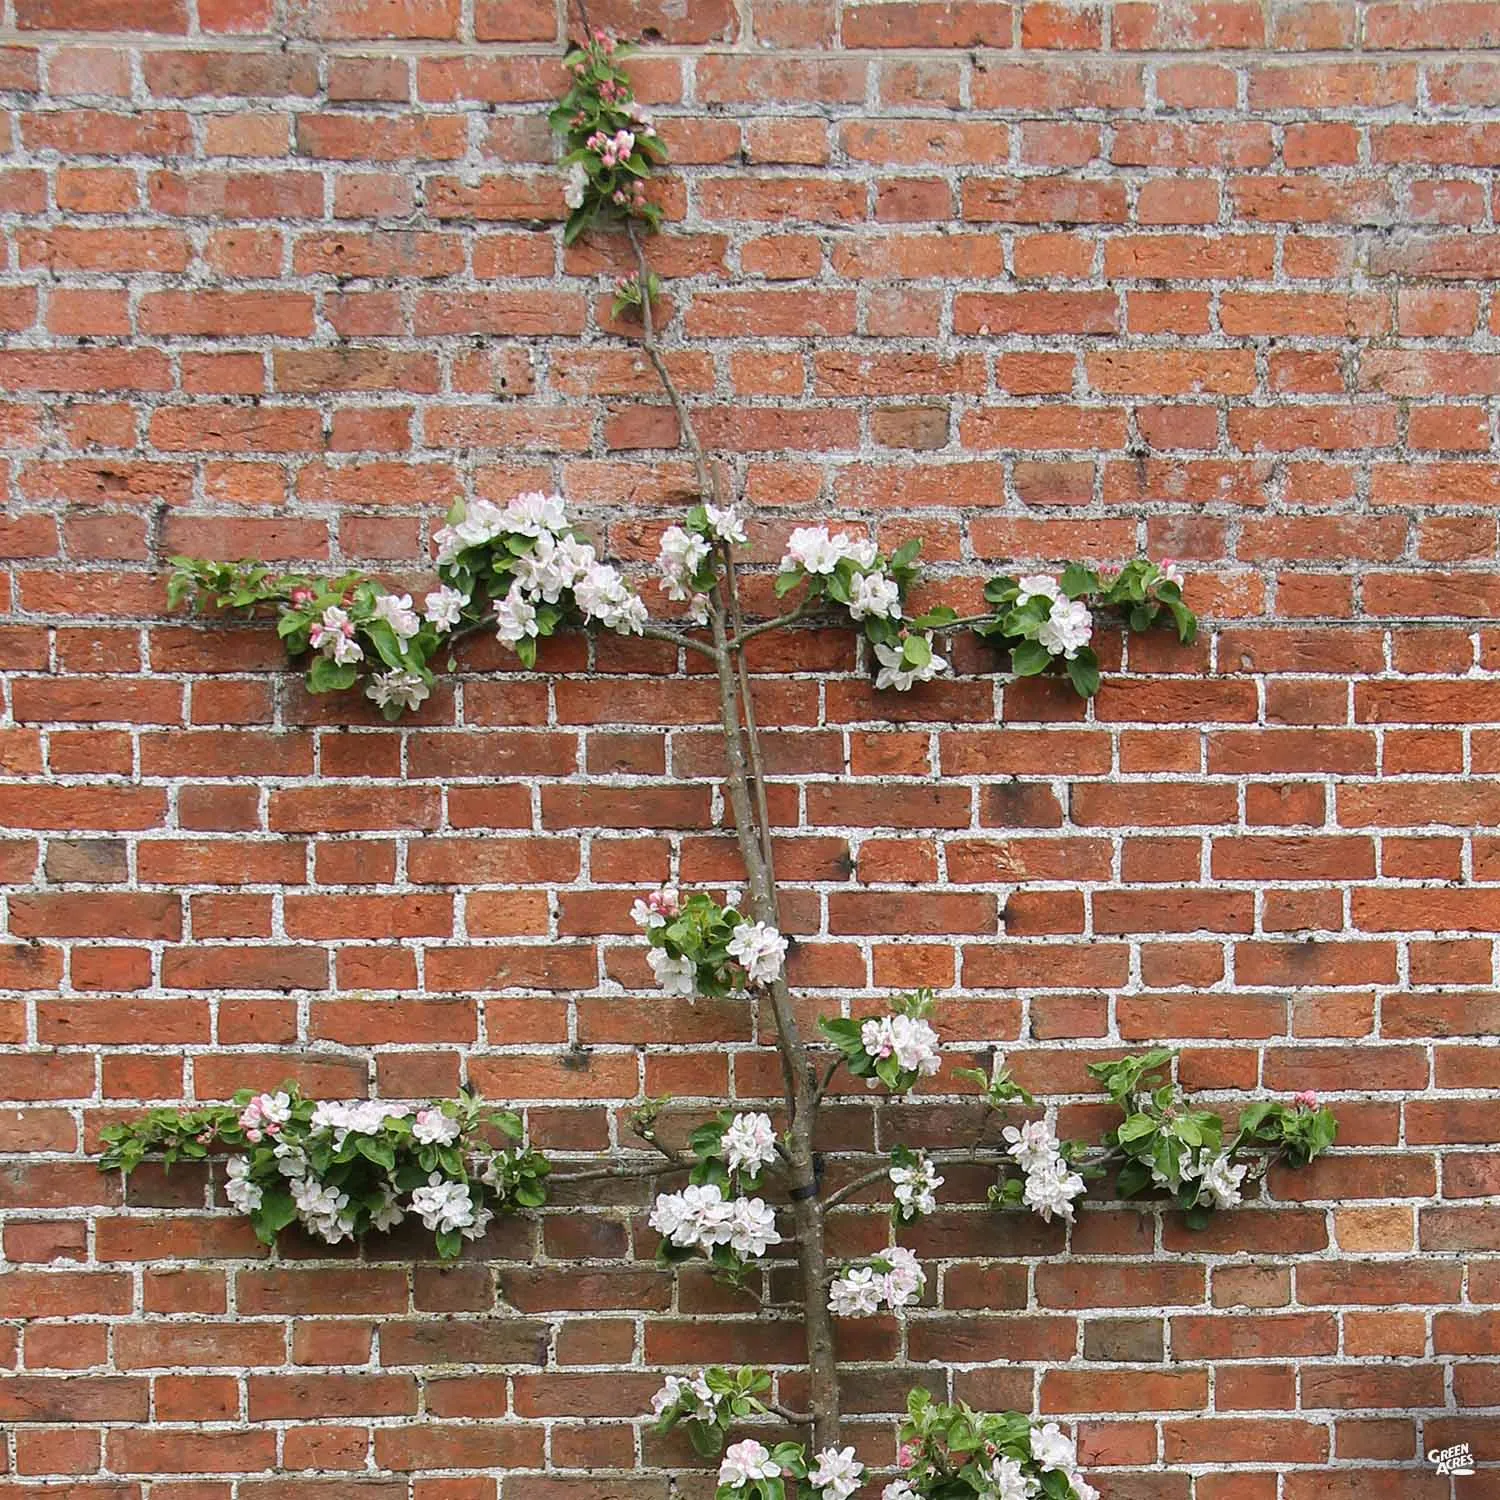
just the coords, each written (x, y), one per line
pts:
(906, 1455)
(272, 1128)
(666, 902)
(1307, 1099)
(253, 1136)
(301, 597)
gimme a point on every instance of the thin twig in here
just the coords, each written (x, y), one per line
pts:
(821, 1092)
(741, 636)
(687, 433)
(752, 735)
(618, 1169)
(674, 638)
(796, 1418)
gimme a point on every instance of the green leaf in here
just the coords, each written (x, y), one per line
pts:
(276, 1211)
(526, 651)
(935, 619)
(327, 676)
(1029, 658)
(1136, 1127)
(916, 651)
(1083, 672)
(1078, 580)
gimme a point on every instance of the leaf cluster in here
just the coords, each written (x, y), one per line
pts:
(700, 933)
(847, 1036)
(601, 101)
(735, 1398)
(301, 600)
(1140, 592)
(375, 1170)
(953, 1448)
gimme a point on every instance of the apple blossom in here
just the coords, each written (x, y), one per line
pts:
(515, 617)
(444, 608)
(745, 1462)
(910, 1040)
(333, 635)
(726, 523)
(1030, 1144)
(873, 594)
(239, 1190)
(443, 1205)
(1052, 1448)
(1068, 629)
(914, 1187)
(1038, 586)
(396, 611)
(895, 672)
(531, 513)
(603, 595)
(1222, 1179)
(433, 1127)
(856, 1293)
(1006, 1479)
(837, 1473)
(752, 1227)
(761, 949)
(682, 554)
(749, 1142)
(408, 689)
(676, 976)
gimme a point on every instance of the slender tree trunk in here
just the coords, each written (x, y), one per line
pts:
(807, 1210)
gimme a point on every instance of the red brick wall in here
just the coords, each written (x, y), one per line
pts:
(1032, 280)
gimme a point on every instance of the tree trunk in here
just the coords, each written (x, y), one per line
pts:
(801, 1104)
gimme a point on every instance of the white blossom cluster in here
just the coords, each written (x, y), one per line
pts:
(915, 1187)
(361, 1117)
(657, 909)
(444, 1205)
(863, 1290)
(694, 1394)
(676, 976)
(409, 689)
(836, 1474)
(1006, 1478)
(745, 1462)
(815, 551)
(434, 1127)
(909, 1039)
(749, 1143)
(1219, 1177)
(556, 564)
(873, 593)
(1069, 627)
(1051, 1185)
(264, 1115)
(700, 1218)
(760, 949)
(682, 554)
(333, 635)
(896, 672)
